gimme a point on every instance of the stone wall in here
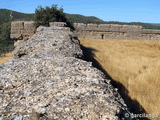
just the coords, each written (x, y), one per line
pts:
(115, 31)
(49, 80)
(23, 30)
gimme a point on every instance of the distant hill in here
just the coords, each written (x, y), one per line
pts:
(9, 15)
(76, 18)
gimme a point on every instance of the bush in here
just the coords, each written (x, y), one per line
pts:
(6, 44)
(43, 16)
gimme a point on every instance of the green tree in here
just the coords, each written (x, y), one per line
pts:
(43, 16)
(5, 31)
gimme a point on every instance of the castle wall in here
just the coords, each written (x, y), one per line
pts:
(23, 30)
(115, 31)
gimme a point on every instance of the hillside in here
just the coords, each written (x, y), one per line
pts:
(76, 18)
(5, 16)
(8, 15)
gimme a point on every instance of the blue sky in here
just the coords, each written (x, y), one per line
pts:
(147, 11)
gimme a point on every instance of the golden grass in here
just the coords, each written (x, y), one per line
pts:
(135, 64)
(6, 57)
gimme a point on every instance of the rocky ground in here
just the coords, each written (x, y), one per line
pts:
(48, 80)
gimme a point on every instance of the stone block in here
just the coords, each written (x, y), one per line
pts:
(136, 27)
(29, 25)
(104, 25)
(81, 25)
(15, 31)
(27, 32)
(16, 36)
(17, 24)
(92, 25)
(58, 24)
(115, 26)
(75, 24)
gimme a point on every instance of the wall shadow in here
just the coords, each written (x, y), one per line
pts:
(133, 105)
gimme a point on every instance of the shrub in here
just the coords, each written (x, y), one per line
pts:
(6, 44)
(43, 16)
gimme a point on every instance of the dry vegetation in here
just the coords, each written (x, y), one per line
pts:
(135, 64)
(5, 58)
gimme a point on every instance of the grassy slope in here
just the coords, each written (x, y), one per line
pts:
(135, 64)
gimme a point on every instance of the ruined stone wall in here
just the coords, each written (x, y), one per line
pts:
(115, 31)
(23, 30)
(49, 80)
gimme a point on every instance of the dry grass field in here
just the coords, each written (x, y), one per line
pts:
(6, 57)
(134, 65)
